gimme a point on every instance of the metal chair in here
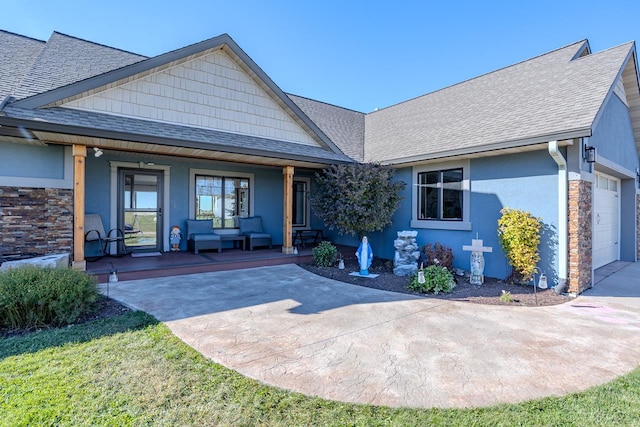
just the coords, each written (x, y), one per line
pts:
(96, 241)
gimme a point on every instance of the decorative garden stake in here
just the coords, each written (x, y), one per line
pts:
(542, 283)
(113, 277)
(421, 278)
(477, 260)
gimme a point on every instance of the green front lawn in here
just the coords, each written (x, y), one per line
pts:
(130, 370)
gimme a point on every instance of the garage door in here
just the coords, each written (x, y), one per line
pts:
(606, 220)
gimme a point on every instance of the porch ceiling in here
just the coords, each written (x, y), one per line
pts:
(156, 149)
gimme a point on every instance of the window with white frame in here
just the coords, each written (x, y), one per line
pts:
(441, 196)
(222, 199)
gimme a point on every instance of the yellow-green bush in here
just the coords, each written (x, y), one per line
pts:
(32, 297)
(519, 234)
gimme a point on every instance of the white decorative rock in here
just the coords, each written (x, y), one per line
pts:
(405, 270)
(51, 261)
(408, 234)
(405, 261)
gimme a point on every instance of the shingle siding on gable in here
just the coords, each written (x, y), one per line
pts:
(210, 92)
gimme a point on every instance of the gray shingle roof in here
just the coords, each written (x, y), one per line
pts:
(16, 58)
(343, 126)
(132, 129)
(548, 95)
(556, 94)
(65, 59)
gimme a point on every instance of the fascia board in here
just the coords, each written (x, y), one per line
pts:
(37, 125)
(577, 133)
(260, 74)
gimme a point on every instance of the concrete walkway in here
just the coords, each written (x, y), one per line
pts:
(289, 328)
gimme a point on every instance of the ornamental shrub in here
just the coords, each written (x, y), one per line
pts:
(33, 297)
(519, 234)
(324, 255)
(357, 198)
(438, 254)
(437, 279)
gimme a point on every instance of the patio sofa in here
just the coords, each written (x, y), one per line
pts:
(201, 236)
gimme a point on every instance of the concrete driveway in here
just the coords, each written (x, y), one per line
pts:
(292, 329)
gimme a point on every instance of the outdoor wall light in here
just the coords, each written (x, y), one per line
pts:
(589, 154)
(97, 152)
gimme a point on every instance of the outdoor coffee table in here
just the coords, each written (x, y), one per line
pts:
(233, 238)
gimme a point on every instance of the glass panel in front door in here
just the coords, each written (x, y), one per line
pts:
(141, 212)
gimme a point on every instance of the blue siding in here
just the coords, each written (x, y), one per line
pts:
(613, 135)
(267, 185)
(32, 161)
(526, 181)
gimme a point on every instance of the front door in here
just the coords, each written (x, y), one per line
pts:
(140, 209)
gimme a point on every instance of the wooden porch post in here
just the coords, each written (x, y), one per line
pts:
(79, 157)
(287, 229)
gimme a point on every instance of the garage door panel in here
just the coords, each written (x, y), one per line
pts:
(606, 223)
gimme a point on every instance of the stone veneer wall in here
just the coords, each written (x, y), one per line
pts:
(580, 236)
(36, 220)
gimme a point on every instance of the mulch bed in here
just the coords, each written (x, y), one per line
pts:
(487, 293)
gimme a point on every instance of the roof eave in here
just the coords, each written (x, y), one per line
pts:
(39, 125)
(497, 147)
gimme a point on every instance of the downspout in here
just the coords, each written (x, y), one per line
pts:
(563, 219)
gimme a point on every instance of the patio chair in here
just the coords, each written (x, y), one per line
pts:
(96, 241)
(251, 228)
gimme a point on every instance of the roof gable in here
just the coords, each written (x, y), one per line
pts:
(631, 86)
(528, 102)
(209, 91)
(142, 69)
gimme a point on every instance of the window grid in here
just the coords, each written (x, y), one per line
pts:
(440, 195)
(221, 199)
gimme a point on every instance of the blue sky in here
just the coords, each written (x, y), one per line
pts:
(357, 54)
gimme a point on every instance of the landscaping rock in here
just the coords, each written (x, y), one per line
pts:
(405, 262)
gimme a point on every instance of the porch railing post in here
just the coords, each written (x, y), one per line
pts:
(287, 229)
(79, 158)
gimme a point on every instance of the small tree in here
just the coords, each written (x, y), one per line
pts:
(357, 198)
(519, 234)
